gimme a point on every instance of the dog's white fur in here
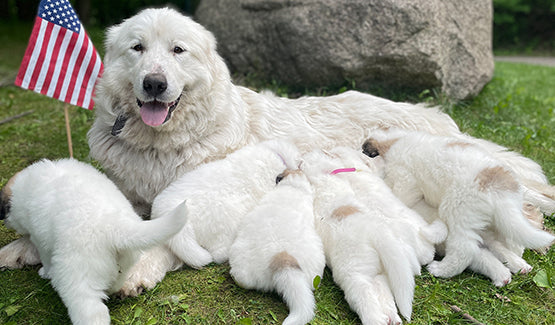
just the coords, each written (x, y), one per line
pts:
(214, 117)
(370, 188)
(374, 268)
(277, 247)
(219, 194)
(85, 230)
(475, 194)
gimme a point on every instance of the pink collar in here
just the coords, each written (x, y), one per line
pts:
(343, 170)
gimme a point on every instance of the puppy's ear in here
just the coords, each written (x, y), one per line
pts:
(373, 148)
(5, 198)
(370, 149)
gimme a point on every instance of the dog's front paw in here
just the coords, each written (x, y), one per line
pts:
(148, 271)
(19, 253)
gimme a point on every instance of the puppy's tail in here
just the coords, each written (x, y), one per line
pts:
(145, 234)
(398, 267)
(291, 283)
(510, 221)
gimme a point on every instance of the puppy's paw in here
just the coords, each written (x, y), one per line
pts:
(502, 282)
(525, 269)
(129, 290)
(519, 267)
(148, 271)
(501, 277)
(437, 269)
(394, 320)
(19, 253)
(137, 282)
(43, 273)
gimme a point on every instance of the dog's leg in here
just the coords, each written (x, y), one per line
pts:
(19, 253)
(487, 264)
(149, 270)
(85, 306)
(461, 246)
(514, 262)
(385, 298)
(371, 302)
(361, 295)
(464, 220)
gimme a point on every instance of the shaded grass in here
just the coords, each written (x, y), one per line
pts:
(515, 109)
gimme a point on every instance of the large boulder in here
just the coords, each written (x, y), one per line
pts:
(418, 44)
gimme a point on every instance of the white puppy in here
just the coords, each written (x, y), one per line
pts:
(474, 193)
(219, 194)
(371, 189)
(86, 232)
(372, 266)
(277, 247)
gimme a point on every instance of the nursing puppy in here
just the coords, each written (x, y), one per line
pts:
(219, 194)
(475, 194)
(86, 232)
(368, 185)
(371, 265)
(277, 247)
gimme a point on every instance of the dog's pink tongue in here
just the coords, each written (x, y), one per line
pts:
(154, 113)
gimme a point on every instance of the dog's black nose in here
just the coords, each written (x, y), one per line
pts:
(155, 84)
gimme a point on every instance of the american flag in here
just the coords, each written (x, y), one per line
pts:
(60, 60)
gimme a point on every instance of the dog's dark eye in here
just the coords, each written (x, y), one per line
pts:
(178, 50)
(138, 47)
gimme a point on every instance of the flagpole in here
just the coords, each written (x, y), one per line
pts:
(68, 130)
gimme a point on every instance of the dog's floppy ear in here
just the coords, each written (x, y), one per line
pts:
(370, 149)
(5, 197)
(373, 148)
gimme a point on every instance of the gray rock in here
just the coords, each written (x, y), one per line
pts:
(418, 44)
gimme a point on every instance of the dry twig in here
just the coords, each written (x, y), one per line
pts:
(11, 118)
(465, 315)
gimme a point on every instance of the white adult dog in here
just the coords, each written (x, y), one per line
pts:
(219, 194)
(474, 192)
(162, 67)
(277, 247)
(85, 230)
(372, 266)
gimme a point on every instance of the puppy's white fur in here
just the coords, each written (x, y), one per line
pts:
(219, 194)
(474, 192)
(374, 268)
(215, 117)
(86, 232)
(371, 189)
(277, 247)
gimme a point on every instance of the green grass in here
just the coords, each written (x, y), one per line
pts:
(515, 109)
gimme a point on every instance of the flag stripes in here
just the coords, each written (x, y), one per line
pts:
(60, 62)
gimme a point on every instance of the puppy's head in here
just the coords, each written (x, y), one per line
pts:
(5, 198)
(380, 142)
(373, 148)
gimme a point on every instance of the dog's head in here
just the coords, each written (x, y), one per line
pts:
(156, 62)
(5, 198)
